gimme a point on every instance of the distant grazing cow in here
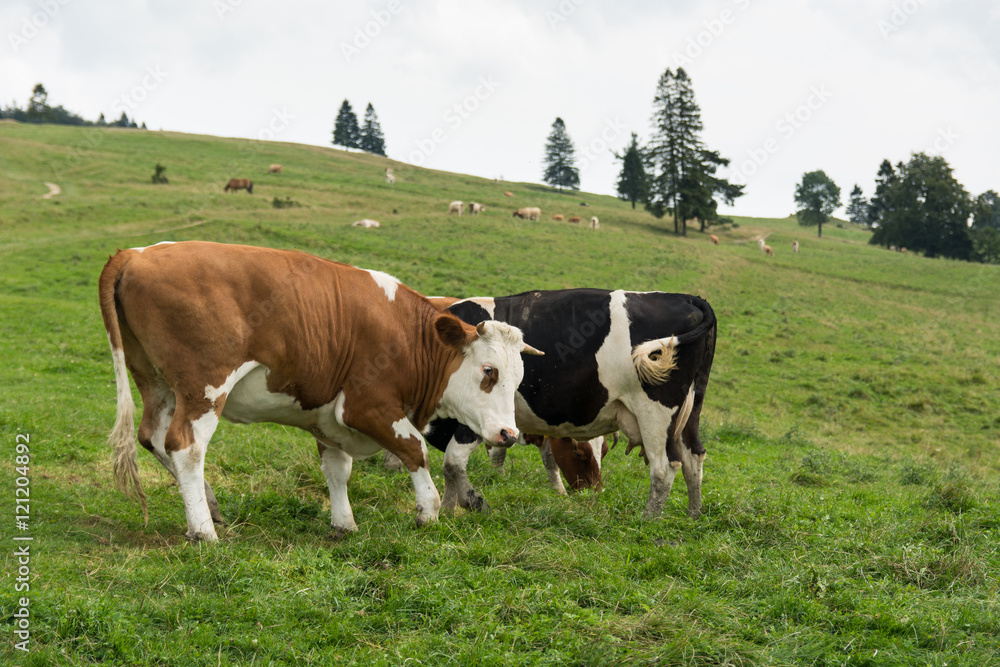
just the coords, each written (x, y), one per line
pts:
(389, 177)
(508, 194)
(630, 361)
(366, 223)
(795, 246)
(455, 207)
(595, 224)
(360, 361)
(767, 250)
(583, 203)
(475, 209)
(902, 250)
(575, 219)
(530, 213)
(235, 184)
(558, 217)
(274, 169)
(713, 239)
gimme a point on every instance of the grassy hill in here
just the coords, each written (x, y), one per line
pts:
(851, 423)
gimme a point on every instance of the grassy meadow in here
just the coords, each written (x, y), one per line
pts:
(851, 485)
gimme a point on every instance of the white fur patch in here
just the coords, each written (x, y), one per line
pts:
(487, 303)
(386, 282)
(213, 393)
(404, 430)
(154, 245)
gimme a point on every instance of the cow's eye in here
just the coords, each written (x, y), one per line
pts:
(488, 371)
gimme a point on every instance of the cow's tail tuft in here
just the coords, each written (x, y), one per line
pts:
(122, 436)
(655, 359)
(684, 414)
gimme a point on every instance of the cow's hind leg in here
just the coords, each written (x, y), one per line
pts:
(186, 443)
(392, 462)
(692, 454)
(654, 425)
(336, 465)
(457, 487)
(157, 413)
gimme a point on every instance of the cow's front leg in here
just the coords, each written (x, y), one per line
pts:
(457, 487)
(336, 465)
(402, 438)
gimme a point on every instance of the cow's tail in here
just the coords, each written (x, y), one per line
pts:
(655, 359)
(122, 436)
(684, 414)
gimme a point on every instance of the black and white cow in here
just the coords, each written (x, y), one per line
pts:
(614, 360)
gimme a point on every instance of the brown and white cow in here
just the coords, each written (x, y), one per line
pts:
(274, 169)
(352, 356)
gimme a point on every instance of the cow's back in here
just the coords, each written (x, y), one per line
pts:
(306, 319)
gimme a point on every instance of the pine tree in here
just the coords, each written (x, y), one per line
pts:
(633, 184)
(345, 128)
(101, 122)
(123, 121)
(372, 140)
(684, 180)
(879, 204)
(559, 159)
(857, 209)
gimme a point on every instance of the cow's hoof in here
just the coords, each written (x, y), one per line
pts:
(200, 537)
(475, 502)
(694, 513)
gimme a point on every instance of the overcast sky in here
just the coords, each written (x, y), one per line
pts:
(474, 86)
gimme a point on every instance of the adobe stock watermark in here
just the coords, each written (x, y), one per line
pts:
(711, 31)
(786, 127)
(601, 144)
(33, 24)
(363, 35)
(943, 141)
(454, 118)
(579, 334)
(127, 103)
(562, 12)
(899, 16)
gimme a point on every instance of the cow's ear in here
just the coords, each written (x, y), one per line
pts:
(450, 331)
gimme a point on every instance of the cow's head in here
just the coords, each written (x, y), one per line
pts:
(480, 392)
(580, 462)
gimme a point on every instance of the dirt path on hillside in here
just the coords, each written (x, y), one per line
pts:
(53, 190)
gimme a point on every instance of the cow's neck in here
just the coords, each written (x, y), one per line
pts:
(433, 365)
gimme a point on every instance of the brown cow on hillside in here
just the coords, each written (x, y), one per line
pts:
(235, 184)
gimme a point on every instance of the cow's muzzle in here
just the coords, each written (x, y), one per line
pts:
(507, 437)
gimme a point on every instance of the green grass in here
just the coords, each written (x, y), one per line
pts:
(851, 489)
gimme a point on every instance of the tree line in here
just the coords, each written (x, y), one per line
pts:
(917, 205)
(367, 137)
(38, 110)
(675, 173)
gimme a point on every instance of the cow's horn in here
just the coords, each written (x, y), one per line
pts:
(531, 350)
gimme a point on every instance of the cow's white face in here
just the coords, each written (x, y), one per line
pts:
(480, 394)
